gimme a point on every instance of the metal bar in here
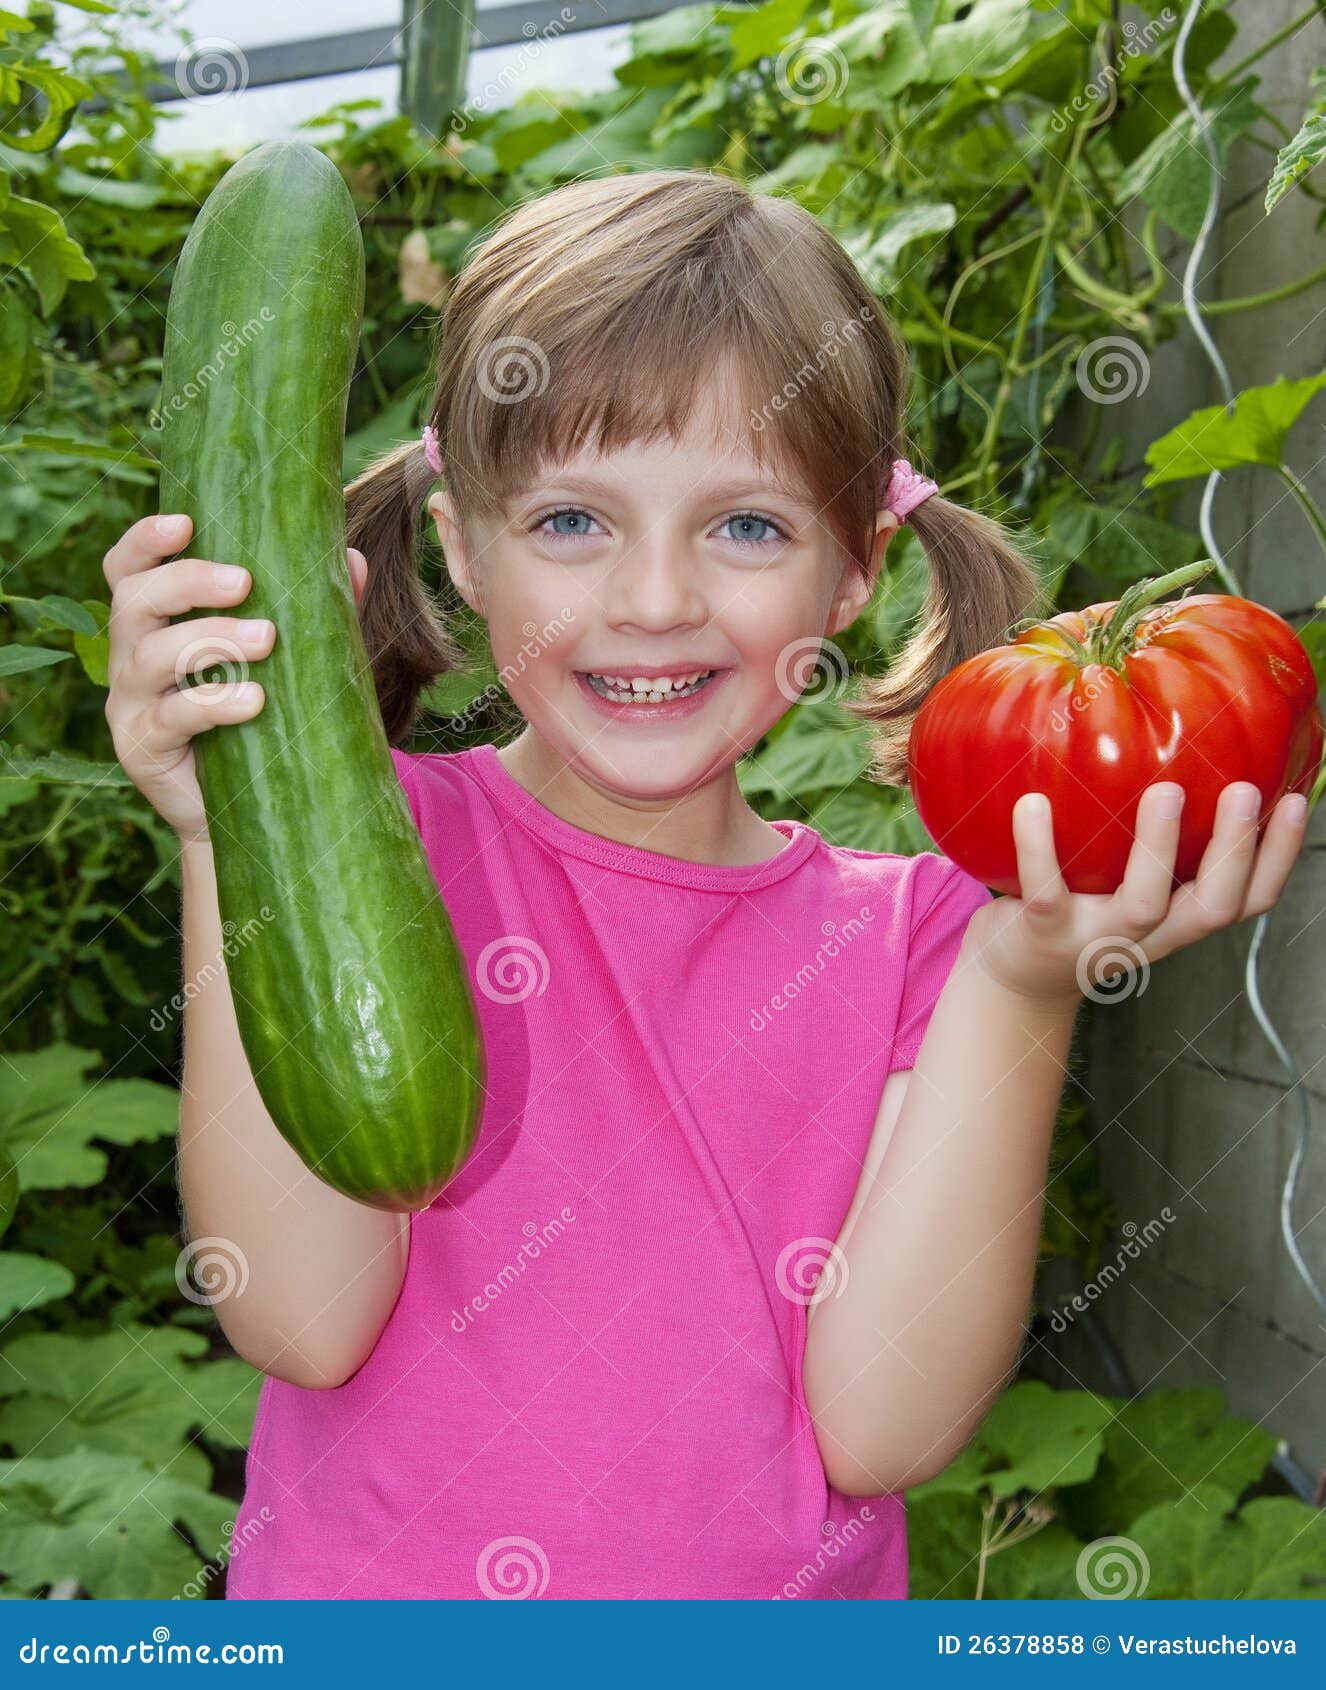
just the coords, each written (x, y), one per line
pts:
(370, 49)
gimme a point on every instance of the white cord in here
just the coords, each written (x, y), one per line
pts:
(1193, 313)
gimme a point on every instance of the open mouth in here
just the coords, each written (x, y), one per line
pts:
(622, 689)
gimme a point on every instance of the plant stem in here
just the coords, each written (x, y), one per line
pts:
(1109, 639)
(988, 451)
(1252, 301)
(1305, 500)
(1266, 46)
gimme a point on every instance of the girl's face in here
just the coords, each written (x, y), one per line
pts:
(667, 560)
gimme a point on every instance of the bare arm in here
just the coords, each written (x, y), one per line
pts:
(323, 1272)
(312, 1275)
(940, 1244)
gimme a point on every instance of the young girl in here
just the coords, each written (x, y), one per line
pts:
(746, 1242)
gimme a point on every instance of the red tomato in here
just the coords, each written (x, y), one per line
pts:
(1093, 706)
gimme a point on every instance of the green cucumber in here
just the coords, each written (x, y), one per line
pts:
(351, 993)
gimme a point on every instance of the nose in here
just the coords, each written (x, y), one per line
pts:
(655, 586)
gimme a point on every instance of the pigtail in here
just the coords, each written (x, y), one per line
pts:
(980, 586)
(407, 641)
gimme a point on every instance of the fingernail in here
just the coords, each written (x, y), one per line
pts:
(253, 630)
(1248, 803)
(1169, 803)
(245, 692)
(230, 575)
(169, 526)
(1296, 808)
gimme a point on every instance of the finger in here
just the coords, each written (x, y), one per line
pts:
(145, 600)
(1143, 896)
(172, 720)
(1039, 880)
(1216, 897)
(167, 656)
(143, 544)
(1276, 855)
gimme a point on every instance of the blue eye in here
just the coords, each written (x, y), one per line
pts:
(748, 520)
(573, 513)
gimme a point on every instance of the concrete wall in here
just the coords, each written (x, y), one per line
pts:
(1192, 1103)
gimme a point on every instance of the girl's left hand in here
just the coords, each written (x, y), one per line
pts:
(1046, 945)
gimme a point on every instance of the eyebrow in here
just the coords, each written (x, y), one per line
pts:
(735, 487)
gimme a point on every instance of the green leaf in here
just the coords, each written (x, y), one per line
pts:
(1173, 174)
(943, 1546)
(136, 1391)
(899, 594)
(1033, 1439)
(1213, 438)
(49, 253)
(18, 659)
(26, 1282)
(62, 446)
(1165, 1444)
(107, 190)
(50, 1115)
(1273, 1549)
(8, 1191)
(1119, 543)
(764, 30)
(106, 1520)
(869, 817)
(16, 325)
(53, 611)
(57, 767)
(391, 427)
(819, 751)
(94, 654)
(1305, 152)
(877, 253)
(990, 37)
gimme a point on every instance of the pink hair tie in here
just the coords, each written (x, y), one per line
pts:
(431, 452)
(906, 489)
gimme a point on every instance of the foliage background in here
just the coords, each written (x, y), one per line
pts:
(1004, 174)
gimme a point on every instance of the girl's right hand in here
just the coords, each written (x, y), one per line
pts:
(152, 718)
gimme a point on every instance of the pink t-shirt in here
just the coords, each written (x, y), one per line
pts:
(590, 1385)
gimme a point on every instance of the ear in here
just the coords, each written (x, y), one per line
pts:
(856, 590)
(452, 540)
(358, 572)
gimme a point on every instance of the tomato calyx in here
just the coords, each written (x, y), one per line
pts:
(1110, 640)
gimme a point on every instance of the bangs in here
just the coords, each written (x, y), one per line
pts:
(611, 324)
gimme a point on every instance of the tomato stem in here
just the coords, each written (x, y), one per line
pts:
(1109, 640)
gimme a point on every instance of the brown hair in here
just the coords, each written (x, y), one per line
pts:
(595, 313)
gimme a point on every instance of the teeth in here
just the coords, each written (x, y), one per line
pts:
(637, 690)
